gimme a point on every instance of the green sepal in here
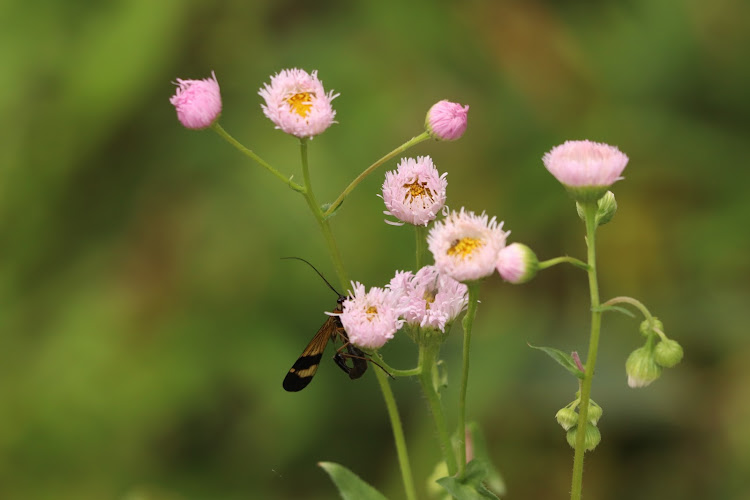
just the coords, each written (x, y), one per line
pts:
(618, 309)
(470, 487)
(326, 206)
(564, 359)
(350, 485)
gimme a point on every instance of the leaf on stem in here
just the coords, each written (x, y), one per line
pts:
(618, 309)
(470, 487)
(564, 359)
(350, 486)
(494, 479)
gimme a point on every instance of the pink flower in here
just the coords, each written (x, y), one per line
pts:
(429, 299)
(517, 263)
(446, 121)
(297, 103)
(586, 167)
(370, 319)
(198, 102)
(415, 192)
(465, 246)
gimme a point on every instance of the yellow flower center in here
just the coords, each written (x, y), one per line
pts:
(417, 190)
(429, 297)
(464, 247)
(300, 103)
(371, 312)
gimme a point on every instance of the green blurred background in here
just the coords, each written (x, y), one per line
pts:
(146, 321)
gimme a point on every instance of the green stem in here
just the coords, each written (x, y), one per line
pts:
(468, 321)
(428, 362)
(421, 244)
(633, 302)
(390, 402)
(234, 142)
(394, 371)
(596, 320)
(411, 142)
(559, 260)
(398, 435)
(325, 227)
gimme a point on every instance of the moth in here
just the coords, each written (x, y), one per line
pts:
(303, 370)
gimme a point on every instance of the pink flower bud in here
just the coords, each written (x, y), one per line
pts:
(446, 121)
(198, 102)
(517, 263)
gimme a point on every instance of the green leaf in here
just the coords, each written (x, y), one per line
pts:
(470, 487)
(618, 309)
(494, 479)
(350, 486)
(564, 359)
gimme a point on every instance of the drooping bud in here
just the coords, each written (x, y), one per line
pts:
(517, 263)
(592, 439)
(567, 418)
(595, 412)
(668, 353)
(646, 328)
(642, 368)
(446, 121)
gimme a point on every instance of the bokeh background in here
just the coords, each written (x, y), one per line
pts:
(146, 321)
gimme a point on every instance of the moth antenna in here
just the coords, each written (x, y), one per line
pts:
(314, 269)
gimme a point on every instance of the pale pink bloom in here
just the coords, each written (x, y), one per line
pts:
(446, 121)
(580, 164)
(414, 192)
(465, 246)
(198, 102)
(297, 103)
(429, 299)
(517, 263)
(370, 318)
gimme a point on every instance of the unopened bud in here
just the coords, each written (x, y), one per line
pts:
(641, 368)
(606, 208)
(595, 412)
(567, 418)
(593, 437)
(668, 353)
(517, 263)
(647, 327)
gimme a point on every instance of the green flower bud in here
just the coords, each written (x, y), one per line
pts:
(647, 328)
(606, 208)
(668, 353)
(593, 437)
(641, 368)
(595, 412)
(567, 418)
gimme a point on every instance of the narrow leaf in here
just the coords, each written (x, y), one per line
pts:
(564, 359)
(618, 309)
(350, 486)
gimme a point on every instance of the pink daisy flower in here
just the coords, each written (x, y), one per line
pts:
(585, 168)
(429, 299)
(446, 121)
(297, 103)
(198, 102)
(414, 192)
(517, 263)
(465, 246)
(370, 318)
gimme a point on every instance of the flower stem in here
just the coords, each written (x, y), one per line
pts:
(589, 209)
(559, 260)
(421, 233)
(325, 227)
(633, 302)
(428, 362)
(411, 142)
(234, 142)
(398, 435)
(385, 388)
(468, 321)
